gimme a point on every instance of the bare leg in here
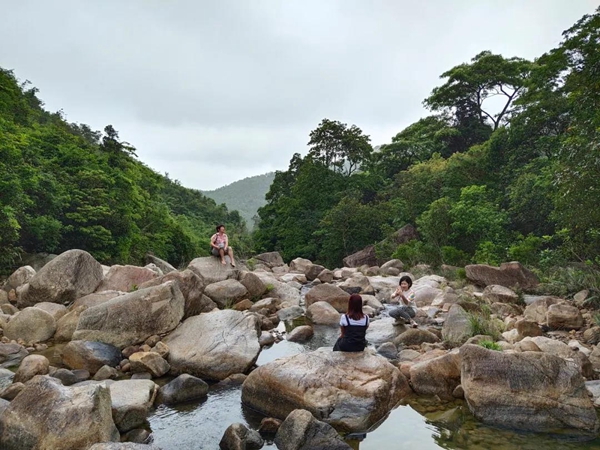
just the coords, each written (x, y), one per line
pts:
(222, 253)
(230, 253)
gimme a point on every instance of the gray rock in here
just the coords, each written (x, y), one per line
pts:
(326, 276)
(67, 324)
(163, 265)
(301, 334)
(90, 355)
(313, 271)
(215, 345)
(388, 350)
(54, 309)
(123, 446)
(253, 284)
(10, 392)
(18, 278)
(270, 259)
(529, 391)
(496, 293)
(126, 278)
(413, 336)
(63, 418)
(106, 373)
(383, 330)
(457, 328)
(31, 366)
(365, 256)
(32, 325)
(238, 437)
(226, 293)
(300, 265)
(328, 293)
(66, 377)
(95, 299)
(322, 313)
(357, 284)
(150, 362)
(71, 275)
(6, 378)
(301, 431)
(293, 312)
(133, 318)
(437, 376)
(131, 402)
(184, 388)
(212, 271)
(511, 275)
(537, 310)
(318, 382)
(562, 316)
(11, 355)
(192, 288)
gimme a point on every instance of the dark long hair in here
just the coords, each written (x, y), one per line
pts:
(355, 311)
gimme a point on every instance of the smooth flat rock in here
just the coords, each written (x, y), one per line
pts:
(215, 345)
(350, 391)
(125, 278)
(131, 402)
(134, 317)
(211, 269)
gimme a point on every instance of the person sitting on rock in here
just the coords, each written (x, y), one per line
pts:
(353, 327)
(404, 314)
(219, 243)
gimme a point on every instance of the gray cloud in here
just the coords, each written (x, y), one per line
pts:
(216, 91)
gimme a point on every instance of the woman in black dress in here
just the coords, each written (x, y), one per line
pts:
(353, 326)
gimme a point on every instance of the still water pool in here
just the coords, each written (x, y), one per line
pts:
(418, 423)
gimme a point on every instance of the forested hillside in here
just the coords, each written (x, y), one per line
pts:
(516, 177)
(64, 186)
(245, 196)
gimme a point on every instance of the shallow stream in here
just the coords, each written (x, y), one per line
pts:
(418, 423)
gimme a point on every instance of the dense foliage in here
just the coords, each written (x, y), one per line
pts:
(63, 186)
(506, 167)
(244, 196)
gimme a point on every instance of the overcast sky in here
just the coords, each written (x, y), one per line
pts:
(215, 91)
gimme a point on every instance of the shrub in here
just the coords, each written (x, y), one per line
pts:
(491, 345)
(482, 324)
(453, 256)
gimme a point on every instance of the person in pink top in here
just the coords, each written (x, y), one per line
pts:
(219, 243)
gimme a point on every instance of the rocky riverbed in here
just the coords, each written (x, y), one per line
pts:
(205, 356)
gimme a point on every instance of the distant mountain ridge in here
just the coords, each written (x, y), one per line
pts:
(245, 196)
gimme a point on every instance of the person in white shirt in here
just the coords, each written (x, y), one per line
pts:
(408, 308)
(353, 327)
(219, 243)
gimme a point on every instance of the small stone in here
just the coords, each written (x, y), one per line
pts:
(162, 349)
(106, 373)
(141, 376)
(458, 392)
(67, 377)
(128, 351)
(152, 340)
(12, 391)
(269, 425)
(301, 334)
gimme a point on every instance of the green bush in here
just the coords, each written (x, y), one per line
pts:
(482, 324)
(491, 345)
(526, 250)
(453, 256)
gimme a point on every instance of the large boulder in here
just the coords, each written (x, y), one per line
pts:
(270, 259)
(212, 271)
(562, 316)
(457, 326)
(322, 313)
(357, 284)
(67, 324)
(126, 278)
(131, 402)
(18, 278)
(286, 292)
(537, 310)
(301, 431)
(90, 355)
(437, 376)
(253, 284)
(328, 293)
(215, 345)
(496, 293)
(95, 299)
(226, 293)
(191, 286)
(32, 325)
(67, 277)
(134, 317)
(530, 391)
(48, 415)
(163, 265)
(510, 275)
(425, 294)
(313, 271)
(319, 382)
(300, 265)
(366, 256)
(383, 330)
(414, 336)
